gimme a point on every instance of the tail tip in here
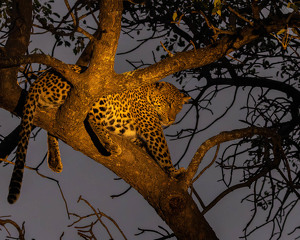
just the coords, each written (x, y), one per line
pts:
(12, 198)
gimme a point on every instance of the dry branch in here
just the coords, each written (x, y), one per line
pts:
(21, 230)
(224, 137)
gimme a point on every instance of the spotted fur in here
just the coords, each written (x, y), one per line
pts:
(49, 91)
(137, 114)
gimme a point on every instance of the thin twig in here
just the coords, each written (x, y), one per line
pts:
(216, 30)
(97, 214)
(169, 53)
(193, 45)
(114, 222)
(209, 165)
(224, 137)
(44, 176)
(76, 24)
(193, 191)
(20, 230)
(239, 15)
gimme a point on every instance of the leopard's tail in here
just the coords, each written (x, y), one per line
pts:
(26, 127)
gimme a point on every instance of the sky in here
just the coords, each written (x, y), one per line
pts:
(42, 207)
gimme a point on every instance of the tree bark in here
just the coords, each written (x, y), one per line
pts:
(16, 45)
(169, 197)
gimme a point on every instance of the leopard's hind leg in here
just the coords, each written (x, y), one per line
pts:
(104, 136)
(54, 159)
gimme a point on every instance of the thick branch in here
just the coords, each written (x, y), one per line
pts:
(110, 25)
(61, 67)
(16, 44)
(86, 54)
(224, 137)
(167, 196)
(99, 79)
(204, 56)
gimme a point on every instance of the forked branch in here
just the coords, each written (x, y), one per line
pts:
(86, 231)
(203, 56)
(225, 137)
(21, 230)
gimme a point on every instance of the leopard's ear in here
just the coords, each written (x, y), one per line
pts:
(185, 97)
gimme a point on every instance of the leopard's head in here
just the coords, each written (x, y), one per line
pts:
(167, 101)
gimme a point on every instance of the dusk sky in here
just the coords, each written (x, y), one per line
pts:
(42, 207)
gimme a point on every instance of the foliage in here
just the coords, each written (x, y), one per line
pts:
(266, 71)
(261, 79)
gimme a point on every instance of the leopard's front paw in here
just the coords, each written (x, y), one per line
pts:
(54, 160)
(176, 173)
(114, 149)
(55, 166)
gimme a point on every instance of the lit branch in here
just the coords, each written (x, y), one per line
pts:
(203, 56)
(169, 53)
(224, 137)
(58, 65)
(239, 15)
(21, 230)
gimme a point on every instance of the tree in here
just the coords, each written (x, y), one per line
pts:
(239, 46)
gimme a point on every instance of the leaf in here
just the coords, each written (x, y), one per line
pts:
(174, 16)
(56, 14)
(294, 6)
(217, 7)
(217, 3)
(67, 44)
(295, 31)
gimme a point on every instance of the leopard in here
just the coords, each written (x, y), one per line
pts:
(137, 114)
